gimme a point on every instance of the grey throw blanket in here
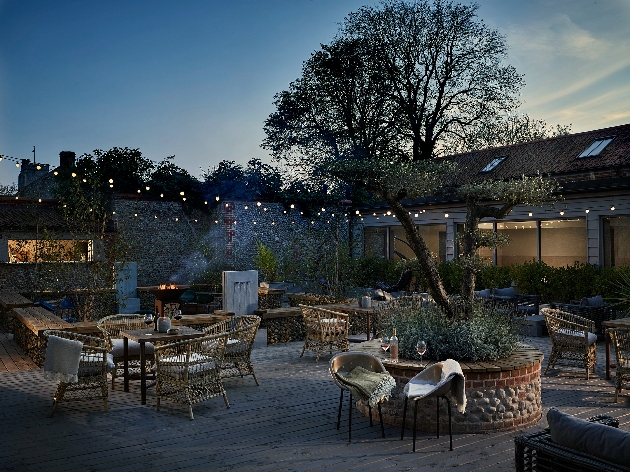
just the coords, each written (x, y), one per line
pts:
(364, 384)
(62, 359)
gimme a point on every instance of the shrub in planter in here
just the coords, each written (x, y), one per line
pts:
(489, 334)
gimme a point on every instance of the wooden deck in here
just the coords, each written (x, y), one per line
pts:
(288, 423)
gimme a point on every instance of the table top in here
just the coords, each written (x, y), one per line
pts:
(202, 318)
(344, 308)
(13, 300)
(619, 323)
(145, 335)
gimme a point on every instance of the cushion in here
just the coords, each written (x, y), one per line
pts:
(485, 294)
(580, 334)
(596, 439)
(504, 292)
(593, 301)
(118, 348)
(198, 363)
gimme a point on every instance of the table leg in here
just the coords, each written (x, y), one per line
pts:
(368, 325)
(143, 373)
(126, 371)
(607, 356)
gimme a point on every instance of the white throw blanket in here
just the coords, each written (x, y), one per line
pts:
(458, 387)
(422, 387)
(62, 359)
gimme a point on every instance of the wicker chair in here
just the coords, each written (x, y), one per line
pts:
(241, 332)
(325, 330)
(620, 339)
(92, 374)
(189, 371)
(573, 339)
(111, 326)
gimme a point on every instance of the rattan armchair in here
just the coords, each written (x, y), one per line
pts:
(241, 332)
(325, 330)
(92, 374)
(573, 339)
(189, 371)
(620, 338)
(111, 326)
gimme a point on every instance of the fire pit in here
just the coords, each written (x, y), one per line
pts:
(165, 293)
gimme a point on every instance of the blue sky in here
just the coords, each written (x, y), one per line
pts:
(196, 78)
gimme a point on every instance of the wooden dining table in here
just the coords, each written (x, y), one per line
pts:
(619, 323)
(143, 336)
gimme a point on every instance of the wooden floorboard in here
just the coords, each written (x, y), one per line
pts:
(287, 423)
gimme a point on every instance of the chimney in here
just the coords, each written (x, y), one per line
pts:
(30, 172)
(66, 159)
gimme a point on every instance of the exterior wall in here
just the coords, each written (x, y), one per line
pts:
(573, 206)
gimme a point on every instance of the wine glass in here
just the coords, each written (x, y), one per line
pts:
(148, 319)
(421, 348)
(385, 343)
(178, 315)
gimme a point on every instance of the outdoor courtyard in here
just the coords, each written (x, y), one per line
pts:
(287, 423)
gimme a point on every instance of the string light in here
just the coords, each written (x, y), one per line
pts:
(246, 207)
(612, 208)
(415, 215)
(39, 167)
(74, 174)
(181, 193)
(205, 203)
(587, 211)
(161, 195)
(184, 199)
(111, 181)
(292, 206)
(138, 190)
(530, 213)
(56, 173)
(258, 203)
(216, 198)
(562, 213)
(445, 215)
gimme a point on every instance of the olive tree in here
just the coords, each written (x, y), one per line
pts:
(378, 105)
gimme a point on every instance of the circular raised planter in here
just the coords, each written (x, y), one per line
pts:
(501, 395)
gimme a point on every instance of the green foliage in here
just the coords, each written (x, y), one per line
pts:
(492, 276)
(168, 181)
(369, 270)
(452, 274)
(486, 335)
(266, 262)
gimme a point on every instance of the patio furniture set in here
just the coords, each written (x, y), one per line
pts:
(188, 367)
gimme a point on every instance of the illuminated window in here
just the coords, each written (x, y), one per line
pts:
(596, 147)
(523, 242)
(563, 242)
(434, 236)
(60, 250)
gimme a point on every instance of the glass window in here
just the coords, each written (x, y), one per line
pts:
(523, 242)
(434, 236)
(563, 242)
(486, 253)
(375, 242)
(493, 164)
(596, 147)
(36, 250)
(616, 241)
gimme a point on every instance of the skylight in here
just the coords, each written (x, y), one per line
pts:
(493, 164)
(596, 147)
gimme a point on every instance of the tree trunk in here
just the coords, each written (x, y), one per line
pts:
(470, 246)
(425, 258)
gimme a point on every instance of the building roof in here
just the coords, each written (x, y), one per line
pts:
(557, 157)
(27, 214)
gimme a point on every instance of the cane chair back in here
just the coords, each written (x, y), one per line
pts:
(92, 374)
(241, 332)
(620, 338)
(326, 330)
(111, 326)
(573, 339)
(189, 371)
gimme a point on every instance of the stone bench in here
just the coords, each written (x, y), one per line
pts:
(283, 324)
(30, 323)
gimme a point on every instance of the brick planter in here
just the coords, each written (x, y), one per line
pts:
(501, 395)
